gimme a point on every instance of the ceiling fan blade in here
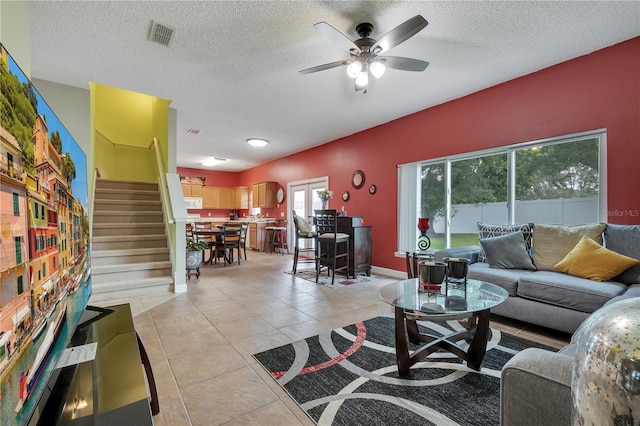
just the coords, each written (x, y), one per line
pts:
(326, 66)
(399, 34)
(336, 37)
(404, 64)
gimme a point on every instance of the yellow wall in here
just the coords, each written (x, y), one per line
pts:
(123, 125)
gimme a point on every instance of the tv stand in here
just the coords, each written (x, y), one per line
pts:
(112, 388)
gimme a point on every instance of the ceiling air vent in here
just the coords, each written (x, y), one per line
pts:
(160, 33)
(193, 131)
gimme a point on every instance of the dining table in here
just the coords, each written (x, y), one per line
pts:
(217, 251)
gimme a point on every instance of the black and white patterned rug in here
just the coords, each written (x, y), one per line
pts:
(349, 377)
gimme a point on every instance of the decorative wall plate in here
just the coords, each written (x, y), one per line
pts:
(357, 179)
(280, 195)
(345, 196)
(372, 189)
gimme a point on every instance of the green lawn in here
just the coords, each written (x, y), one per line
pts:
(457, 240)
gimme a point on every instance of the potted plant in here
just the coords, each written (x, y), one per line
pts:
(194, 250)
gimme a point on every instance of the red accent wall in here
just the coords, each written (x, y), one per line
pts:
(599, 90)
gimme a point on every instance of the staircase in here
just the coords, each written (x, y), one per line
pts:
(129, 253)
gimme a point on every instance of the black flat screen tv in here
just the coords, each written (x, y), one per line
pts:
(45, 261)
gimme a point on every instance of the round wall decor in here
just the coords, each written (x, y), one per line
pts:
(280, 195)
(373, 189)
(345, 196)
(357, 179)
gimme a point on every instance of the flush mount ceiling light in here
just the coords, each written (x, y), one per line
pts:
(366, 53)
(257, 142)
(212, 161)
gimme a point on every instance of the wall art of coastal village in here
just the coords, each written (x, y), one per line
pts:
(44, 258)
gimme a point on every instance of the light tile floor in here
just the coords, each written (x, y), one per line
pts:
(200, 342)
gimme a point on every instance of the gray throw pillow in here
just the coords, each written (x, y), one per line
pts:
(625, 239)
(486, 230)
(507, 251)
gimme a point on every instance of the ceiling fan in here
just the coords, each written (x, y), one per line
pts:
(365, 52)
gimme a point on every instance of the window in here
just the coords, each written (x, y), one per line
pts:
(20, 285)
(551, 181)
(36, 209)
(16, 204)
(17, 242)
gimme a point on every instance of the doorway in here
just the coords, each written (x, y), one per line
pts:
(303, 198)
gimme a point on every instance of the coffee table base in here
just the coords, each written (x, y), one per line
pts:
(477, 332)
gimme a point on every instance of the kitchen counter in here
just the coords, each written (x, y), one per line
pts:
(218, 219)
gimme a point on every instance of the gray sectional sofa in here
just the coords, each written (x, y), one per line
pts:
(540, 294)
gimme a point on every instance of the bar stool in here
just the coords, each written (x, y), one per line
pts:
(278, 238)
(303, 233)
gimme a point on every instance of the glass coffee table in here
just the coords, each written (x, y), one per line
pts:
(411, 304)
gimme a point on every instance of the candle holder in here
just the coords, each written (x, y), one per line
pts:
(431, 276)
(457, 269)
(424, 242)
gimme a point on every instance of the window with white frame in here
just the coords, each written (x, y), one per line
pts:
(558, 180)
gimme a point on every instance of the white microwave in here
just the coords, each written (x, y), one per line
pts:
(193, 202)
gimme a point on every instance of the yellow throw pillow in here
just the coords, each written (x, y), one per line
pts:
(589, 259)
(551, 243)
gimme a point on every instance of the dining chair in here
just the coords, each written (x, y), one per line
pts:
(303, 234)
(230, 242)
(333, 246)
(209, 239)
(244, 227)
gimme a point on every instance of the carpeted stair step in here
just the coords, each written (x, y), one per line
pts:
(119, 216)
(137, 255)
(109, 204)
(128, 242)
(129, 271)
(126, 229)
(120, 290)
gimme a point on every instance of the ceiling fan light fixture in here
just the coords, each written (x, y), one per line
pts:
(362, 80)
(354, 69)
(257, 142)
(377, 69)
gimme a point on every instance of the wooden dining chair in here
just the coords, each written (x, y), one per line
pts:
(333, 246)
(209, 239)
(230, 236)
(244, 227)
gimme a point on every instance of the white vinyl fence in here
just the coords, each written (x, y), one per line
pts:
(569, 211)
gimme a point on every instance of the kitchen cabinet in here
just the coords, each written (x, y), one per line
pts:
(264, 194)
(256, 235)
(224, 198)
(214, 197)
(241, 195)
(209, 197)
(191, 189)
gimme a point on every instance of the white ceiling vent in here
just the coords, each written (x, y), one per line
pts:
(193, 131)
(160, 33)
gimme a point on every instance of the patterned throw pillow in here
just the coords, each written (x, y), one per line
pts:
(490, 231)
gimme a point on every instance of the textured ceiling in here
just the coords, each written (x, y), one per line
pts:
(231, 69)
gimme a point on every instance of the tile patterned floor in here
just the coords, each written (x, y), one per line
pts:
(200, 342)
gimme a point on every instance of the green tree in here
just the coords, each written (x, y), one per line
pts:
(68, 168)
(56, 141)
(18, 112)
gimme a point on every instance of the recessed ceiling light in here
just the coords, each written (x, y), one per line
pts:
(257, 142)
(212, 161)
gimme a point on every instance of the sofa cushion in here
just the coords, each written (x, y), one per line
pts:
(505, 278)
(590, 260)
(488, 231)
(625, 239)
(571, 292)
(507, 251)
(551, 243)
